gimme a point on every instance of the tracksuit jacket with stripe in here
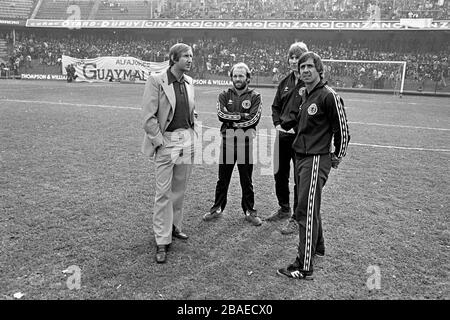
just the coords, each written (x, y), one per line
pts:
(239, 111)
(321, 117)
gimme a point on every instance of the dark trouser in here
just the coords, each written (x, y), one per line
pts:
(232, 153)
(283, 155)
(312, 173)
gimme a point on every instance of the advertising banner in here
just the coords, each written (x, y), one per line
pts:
(113, 68)
(12, 22)
(34, 76)
(416, 23)
(236, 24)
(213, 82)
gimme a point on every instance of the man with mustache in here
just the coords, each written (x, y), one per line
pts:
(239, 110)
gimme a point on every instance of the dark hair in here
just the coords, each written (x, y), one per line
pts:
(318, 64)
(176, 51)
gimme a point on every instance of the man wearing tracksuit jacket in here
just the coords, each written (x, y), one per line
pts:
(239, 110)
(322, 119)
(284, 117)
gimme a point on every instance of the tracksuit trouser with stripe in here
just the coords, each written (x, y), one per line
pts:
(312, 174)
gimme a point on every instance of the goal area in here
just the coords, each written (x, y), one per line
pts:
(388, 76)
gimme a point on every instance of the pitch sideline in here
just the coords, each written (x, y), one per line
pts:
(351, 143)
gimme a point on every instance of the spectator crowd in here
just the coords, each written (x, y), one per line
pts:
(262, 9)
(292, 9)
(215, 57)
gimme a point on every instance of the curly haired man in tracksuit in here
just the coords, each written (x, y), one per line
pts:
(239, 110)
(322, 119)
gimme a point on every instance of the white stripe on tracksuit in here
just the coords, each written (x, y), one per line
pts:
(221, 114)
(342, 123)
(310, 212)
(252, 120)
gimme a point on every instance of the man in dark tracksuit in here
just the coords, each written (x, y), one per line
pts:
(239, 110)
(322, 119)
(284, 116)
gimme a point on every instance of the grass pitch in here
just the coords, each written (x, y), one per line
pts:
(75, 190)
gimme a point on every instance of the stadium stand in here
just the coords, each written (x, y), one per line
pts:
(36, 49)
(213, 57)
(129, 10)
(57, 9)
(19, 9)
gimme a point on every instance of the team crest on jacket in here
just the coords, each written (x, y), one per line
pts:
(301, 91)
(312, 109)
(246, 104)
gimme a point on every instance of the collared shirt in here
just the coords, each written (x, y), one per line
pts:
(181, 118)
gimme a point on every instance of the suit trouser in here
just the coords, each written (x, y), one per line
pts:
(173, 163)
(312, 172)
(283, 155)
(232, 153)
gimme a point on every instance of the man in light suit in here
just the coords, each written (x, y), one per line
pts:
(169, 116)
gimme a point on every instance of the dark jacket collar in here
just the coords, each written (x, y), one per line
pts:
(319, 85)
(171, 78)
(233, 89)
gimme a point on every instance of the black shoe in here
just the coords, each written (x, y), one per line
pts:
(320, 249)
(161, 253)
(252, 217)
(279, 215)
(178, 234)
(320, 254)
(293, 271)
(290, 227)
(212, 215)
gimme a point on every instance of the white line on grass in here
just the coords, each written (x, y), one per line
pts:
(397, 126)
(366, 124)
(215, 114)
(395, 147)
(391, 102)
(210, 91)
(211, 113)
(71, 104)
(347, 99)
(134, 108)
(368, 145)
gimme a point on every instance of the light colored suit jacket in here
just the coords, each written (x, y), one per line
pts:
(158, 107)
